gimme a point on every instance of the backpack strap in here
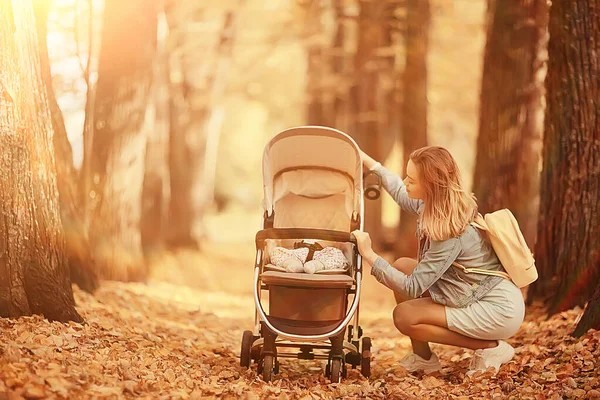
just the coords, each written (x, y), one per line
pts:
(480, 223)
(482, 271)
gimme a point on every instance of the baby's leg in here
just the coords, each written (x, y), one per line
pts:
(331, 258)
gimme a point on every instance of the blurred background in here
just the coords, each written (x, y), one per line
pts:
(132, 135)
(228, 75)
(161, 110)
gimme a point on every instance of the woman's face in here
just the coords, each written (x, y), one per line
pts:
(414, 188)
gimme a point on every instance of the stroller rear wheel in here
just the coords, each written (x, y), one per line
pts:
(365, 361)
(246, 351)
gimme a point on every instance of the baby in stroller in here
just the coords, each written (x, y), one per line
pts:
(307, 256)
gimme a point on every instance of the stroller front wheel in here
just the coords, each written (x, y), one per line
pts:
(336, 370)
(267, 368)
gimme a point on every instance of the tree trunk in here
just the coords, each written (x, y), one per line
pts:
(155, 193)
(78, 247)
(323, 64)
(316, 69)
(195, 124)
(367, 130)
(511, 119)
(117, 164)
(591, 316)
(414, 106)
(342, 70)
(34, 275)
(370, 96)
(567, 246)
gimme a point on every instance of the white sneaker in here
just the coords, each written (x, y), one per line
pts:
(413, 362)
(494, 357)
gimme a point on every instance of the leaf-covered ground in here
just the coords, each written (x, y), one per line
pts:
(163, 340)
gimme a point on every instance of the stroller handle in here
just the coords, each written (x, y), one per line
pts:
(302, 233)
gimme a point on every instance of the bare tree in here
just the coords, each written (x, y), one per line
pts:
(511, 120)
(369, 123)
(34, 275)
(414, 104)
(78, 247)
(155, 194)
(196, 117)
(318, 112)
(116, 166)
(342, 70)
(568, 241)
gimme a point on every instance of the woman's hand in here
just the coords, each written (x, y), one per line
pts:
(367, 160)
(364, 244)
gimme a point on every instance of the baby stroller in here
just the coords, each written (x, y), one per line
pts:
(313, 189)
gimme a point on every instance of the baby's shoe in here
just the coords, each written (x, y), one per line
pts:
(312, 266)
(292, 264)
(290, 260)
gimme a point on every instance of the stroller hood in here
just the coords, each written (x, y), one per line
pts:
(312, 178)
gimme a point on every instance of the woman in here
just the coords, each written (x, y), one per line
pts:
(438, 302)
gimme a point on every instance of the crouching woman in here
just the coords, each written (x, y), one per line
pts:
(438, 302)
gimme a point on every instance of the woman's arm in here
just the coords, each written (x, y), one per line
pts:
(393, 184)
(435, 262)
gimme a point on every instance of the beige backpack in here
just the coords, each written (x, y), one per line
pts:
(507, 240)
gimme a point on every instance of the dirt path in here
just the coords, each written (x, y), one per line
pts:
(165, 340)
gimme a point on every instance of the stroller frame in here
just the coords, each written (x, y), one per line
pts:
(342, 342)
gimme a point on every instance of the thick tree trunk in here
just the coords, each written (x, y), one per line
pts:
(370, 96)
(117, 165)
(195, 124)
(155, 194)
(34, 275)
(591, 316)
(414, 106)
(511, 120)
(567, 246)
(366, 130)
(78, 247)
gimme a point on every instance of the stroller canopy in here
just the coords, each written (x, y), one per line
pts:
(312, 178)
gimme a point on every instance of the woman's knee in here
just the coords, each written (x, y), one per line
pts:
(405, 264)
(404, 317)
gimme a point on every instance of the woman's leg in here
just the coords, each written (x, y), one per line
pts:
(425, 321)
(407, 265)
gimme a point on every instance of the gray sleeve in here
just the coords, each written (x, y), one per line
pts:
(393, 184)
(438, 258)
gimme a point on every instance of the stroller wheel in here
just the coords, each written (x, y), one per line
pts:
(267, 370)
(365, 361)
(336, 370)
(245, 353)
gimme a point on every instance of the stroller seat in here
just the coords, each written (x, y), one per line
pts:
(337, 281)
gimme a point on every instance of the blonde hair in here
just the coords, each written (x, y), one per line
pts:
(448, 208)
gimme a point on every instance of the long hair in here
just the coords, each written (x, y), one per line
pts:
(448, 208)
